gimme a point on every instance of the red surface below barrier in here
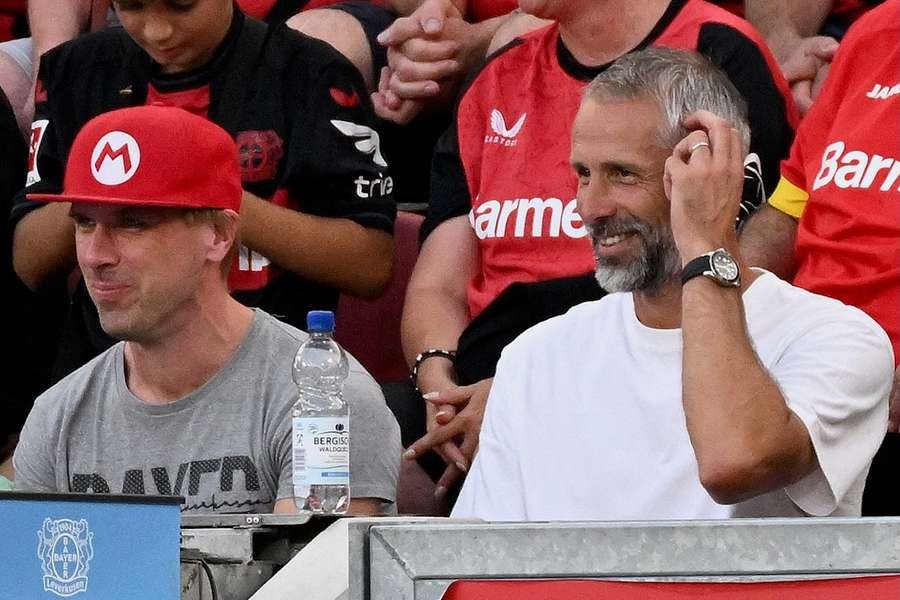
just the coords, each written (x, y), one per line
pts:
(868, 588)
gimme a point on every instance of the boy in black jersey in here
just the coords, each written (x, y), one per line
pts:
(318, 209)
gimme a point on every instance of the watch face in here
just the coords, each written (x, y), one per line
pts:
(725, 266)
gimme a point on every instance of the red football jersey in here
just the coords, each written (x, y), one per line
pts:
(506, 162)
(845, 166)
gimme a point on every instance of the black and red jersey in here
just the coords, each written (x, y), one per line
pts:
(299, 113)
(505, 160)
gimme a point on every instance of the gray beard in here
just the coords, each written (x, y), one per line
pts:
(658, 262)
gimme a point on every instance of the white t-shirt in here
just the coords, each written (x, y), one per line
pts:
(585, 418)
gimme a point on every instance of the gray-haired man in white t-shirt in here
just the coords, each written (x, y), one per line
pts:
(704, 388)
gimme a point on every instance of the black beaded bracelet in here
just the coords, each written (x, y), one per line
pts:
(422, 357)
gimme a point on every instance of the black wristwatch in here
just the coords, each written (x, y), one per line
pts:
(717, 265)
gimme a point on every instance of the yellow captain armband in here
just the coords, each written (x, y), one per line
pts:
(789, 199)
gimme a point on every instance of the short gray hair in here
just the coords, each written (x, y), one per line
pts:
(681, 82)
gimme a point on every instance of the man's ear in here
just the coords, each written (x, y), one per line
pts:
(225, 230)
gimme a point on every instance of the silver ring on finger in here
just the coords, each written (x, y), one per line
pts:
(697, 146)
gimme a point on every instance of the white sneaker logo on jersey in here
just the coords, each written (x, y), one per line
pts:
(883, 92)
(369, 140)
(503, 135)
(115, 158)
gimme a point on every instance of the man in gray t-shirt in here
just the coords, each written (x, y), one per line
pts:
(196, 400)
(225, 447)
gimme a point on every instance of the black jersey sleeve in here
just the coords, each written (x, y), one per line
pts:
(771, 132)
(449, 195)
(335, 163)
(46, 157)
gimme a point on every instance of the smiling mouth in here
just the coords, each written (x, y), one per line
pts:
(612, 240)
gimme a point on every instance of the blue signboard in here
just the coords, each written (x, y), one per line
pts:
(89, 547)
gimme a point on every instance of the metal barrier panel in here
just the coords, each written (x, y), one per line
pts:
(419, 561)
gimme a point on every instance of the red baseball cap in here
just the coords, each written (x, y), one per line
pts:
(152, 156)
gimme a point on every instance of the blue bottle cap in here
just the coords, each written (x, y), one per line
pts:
(320, 321)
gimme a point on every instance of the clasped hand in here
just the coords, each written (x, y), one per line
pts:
(454, 424)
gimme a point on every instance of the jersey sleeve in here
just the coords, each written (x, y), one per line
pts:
(46, 154)
(770, 109)
(793, 190)
(449, 195)
(836, 378)
(335, 163)
(789, 198)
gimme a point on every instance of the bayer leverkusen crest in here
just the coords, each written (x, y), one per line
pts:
(65, 548)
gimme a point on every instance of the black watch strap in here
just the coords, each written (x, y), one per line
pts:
(696, 267)
(717, 265)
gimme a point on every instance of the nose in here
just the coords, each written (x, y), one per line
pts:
(96, 249)
(594, 201)
(157, 28)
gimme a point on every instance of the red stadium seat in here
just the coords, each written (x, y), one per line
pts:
(370, 329)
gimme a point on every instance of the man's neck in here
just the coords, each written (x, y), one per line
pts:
(609, 29)
(661, 308)
(177, 364)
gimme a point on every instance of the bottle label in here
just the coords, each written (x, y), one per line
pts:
(321, 451)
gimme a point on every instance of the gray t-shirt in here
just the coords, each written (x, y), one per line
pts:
(226, 447)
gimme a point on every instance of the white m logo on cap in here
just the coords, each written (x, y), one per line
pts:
(115, 158)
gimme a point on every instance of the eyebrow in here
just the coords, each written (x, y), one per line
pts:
(628, 166)
(613, 164)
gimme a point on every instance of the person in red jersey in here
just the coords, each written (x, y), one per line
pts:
(503, 244)
(832, 225)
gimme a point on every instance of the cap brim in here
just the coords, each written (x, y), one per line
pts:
(78, 199)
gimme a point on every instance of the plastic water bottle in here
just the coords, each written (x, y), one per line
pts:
(321, 419)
